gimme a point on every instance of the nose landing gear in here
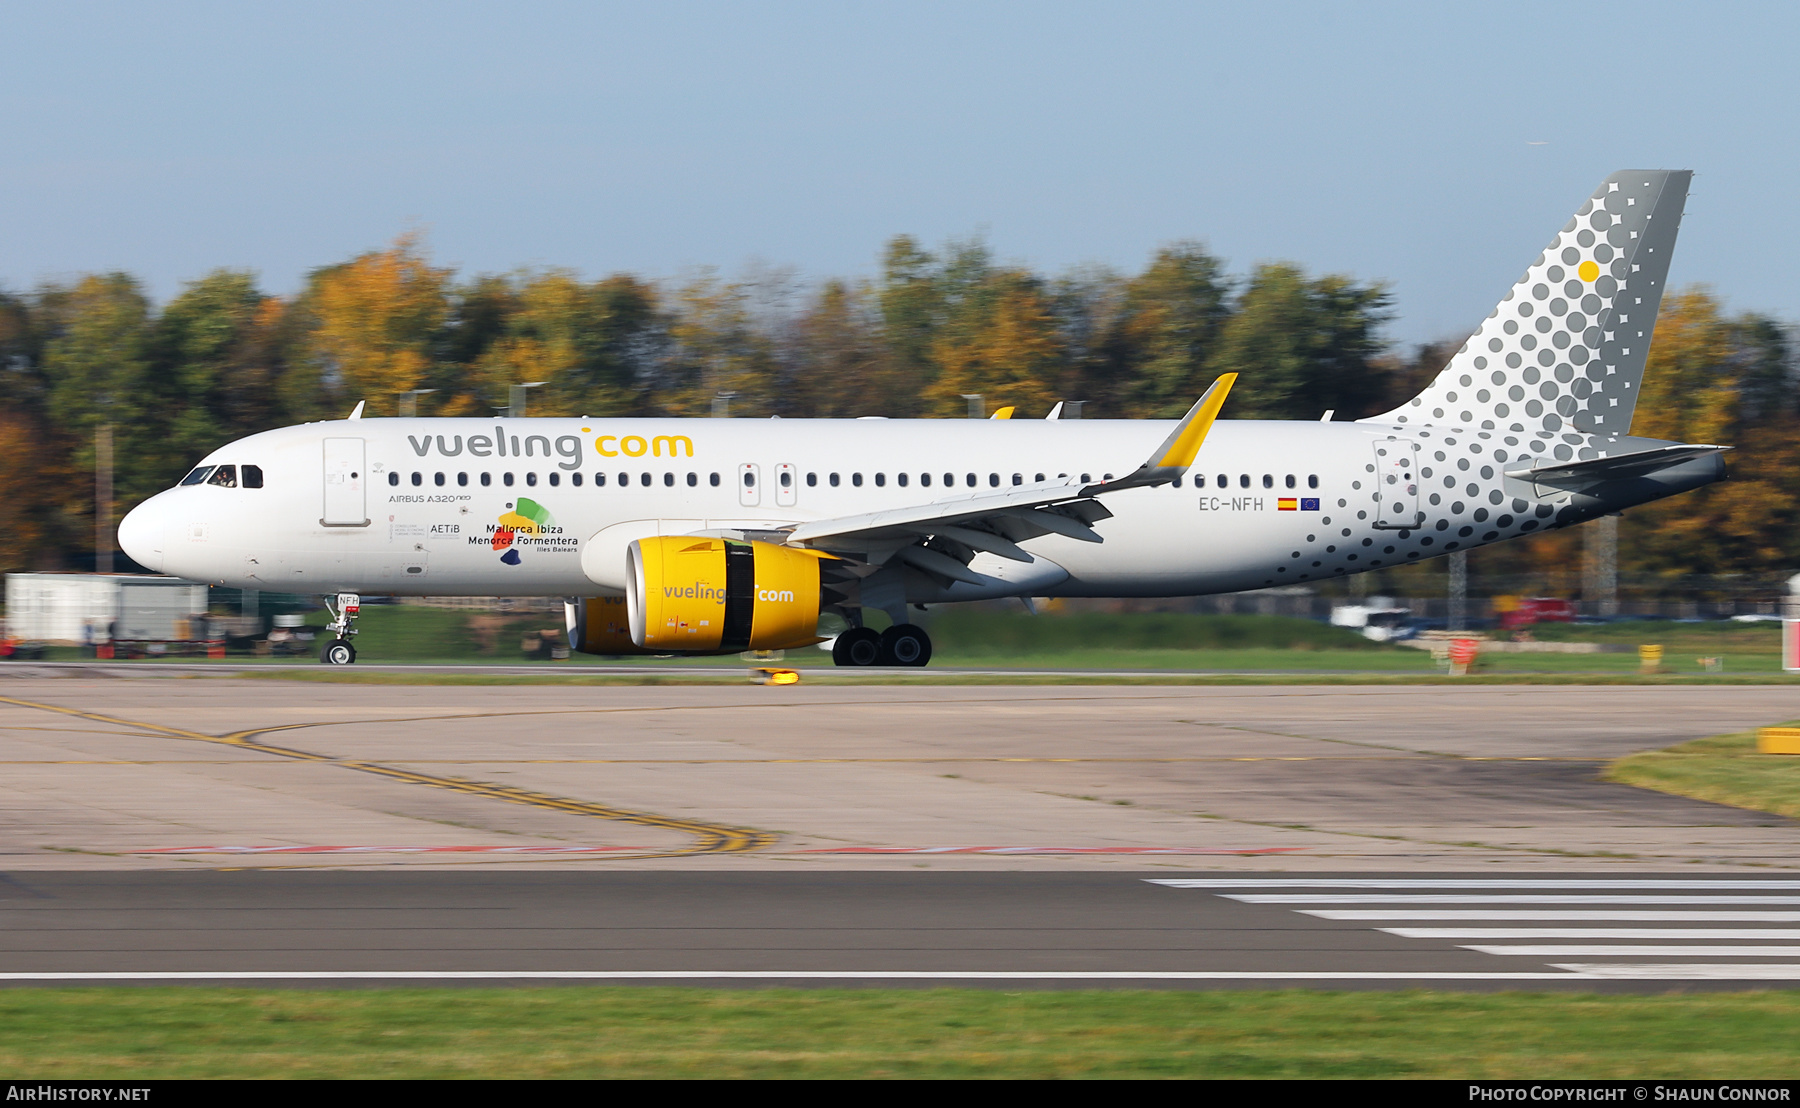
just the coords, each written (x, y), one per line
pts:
(338, 651)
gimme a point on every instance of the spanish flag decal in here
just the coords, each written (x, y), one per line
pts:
(1287, 504)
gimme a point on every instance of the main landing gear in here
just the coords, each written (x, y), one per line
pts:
(903, 645)
(338, 651)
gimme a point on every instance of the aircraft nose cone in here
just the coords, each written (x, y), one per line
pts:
(141, 535)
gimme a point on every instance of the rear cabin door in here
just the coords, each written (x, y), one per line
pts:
(1397, 483)
(346, 482)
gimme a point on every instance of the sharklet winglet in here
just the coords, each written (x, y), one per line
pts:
(1170, 461)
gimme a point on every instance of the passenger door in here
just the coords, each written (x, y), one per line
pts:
(346, 478)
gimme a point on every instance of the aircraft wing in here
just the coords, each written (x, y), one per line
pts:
(942, 536)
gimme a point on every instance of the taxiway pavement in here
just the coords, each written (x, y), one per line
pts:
(103, 772)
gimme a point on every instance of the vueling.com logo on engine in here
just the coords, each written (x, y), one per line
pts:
(694, 592)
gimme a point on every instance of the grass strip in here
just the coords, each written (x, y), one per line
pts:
(836, 677)
(1724, 769)
(651, 1032)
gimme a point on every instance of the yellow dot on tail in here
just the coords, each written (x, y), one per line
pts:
(1588, 271)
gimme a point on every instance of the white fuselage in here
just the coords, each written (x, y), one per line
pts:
(419, 506)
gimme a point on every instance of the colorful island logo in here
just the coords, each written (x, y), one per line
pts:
(528, 518)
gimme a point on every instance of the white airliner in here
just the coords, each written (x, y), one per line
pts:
(711, 536)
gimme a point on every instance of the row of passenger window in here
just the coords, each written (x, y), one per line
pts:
(226, 476)
(1268, 481)
(971, 480)
(785, 478)
(555, 479)
(624, 480)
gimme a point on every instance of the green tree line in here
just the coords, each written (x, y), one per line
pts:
(224, 359)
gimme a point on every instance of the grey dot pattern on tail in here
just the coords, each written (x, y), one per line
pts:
(1565, 350)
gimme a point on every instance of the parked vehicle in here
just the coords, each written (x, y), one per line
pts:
(1379, 620)
(1537, 609)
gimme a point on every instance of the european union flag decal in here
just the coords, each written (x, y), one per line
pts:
(1309, 504)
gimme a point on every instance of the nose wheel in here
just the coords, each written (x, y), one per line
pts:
(339, 652)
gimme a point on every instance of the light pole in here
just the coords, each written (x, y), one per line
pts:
(977, 408)
(1600, 566)
(409, 403)
(721, 405)
(1459, 591)
(103, 498)
(515, 407)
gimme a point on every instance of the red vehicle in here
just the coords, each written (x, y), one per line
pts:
(1538, 609)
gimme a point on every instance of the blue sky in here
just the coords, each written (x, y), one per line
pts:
(1392, 142)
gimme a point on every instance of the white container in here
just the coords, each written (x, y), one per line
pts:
(76, 608)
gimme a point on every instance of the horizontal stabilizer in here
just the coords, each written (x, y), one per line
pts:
(1641, 463)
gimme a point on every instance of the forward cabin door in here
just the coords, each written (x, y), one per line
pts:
(1397, 484)
(346, 484)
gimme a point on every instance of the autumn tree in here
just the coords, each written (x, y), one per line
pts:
(715, 346)
(912, 308)
(1694, 390)
(215, 366)
(372, 327)
(998, 339)
(837, 364)
(591, 344)
(1157, 351)
(1302, 346)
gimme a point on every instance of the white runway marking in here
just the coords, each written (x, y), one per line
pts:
(1461, 883)
(1645, 950)
(1566, 915)
(774, 975)
(1680, 972)
(1789, 933)
(1518, 898)
(1696, 901)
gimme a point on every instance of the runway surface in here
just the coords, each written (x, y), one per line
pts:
(140, 773)
(1010, 929)
(208, 829)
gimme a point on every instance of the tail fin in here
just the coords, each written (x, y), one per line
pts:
(1567, 345)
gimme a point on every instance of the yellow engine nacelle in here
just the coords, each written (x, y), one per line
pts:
(598, 625)
(691, 595)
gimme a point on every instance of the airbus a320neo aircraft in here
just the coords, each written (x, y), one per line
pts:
(711, 536)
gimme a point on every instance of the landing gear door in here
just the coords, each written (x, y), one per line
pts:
(749, 479)
(346, 482)
(1397, 484)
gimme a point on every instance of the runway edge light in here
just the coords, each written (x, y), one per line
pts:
(771, 676)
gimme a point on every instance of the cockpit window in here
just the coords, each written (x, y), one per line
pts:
(253, 477)
(197, 476)
(224, 476)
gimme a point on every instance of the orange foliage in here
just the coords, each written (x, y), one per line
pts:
(376, 317)
(21, 530)
(1012, 355)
